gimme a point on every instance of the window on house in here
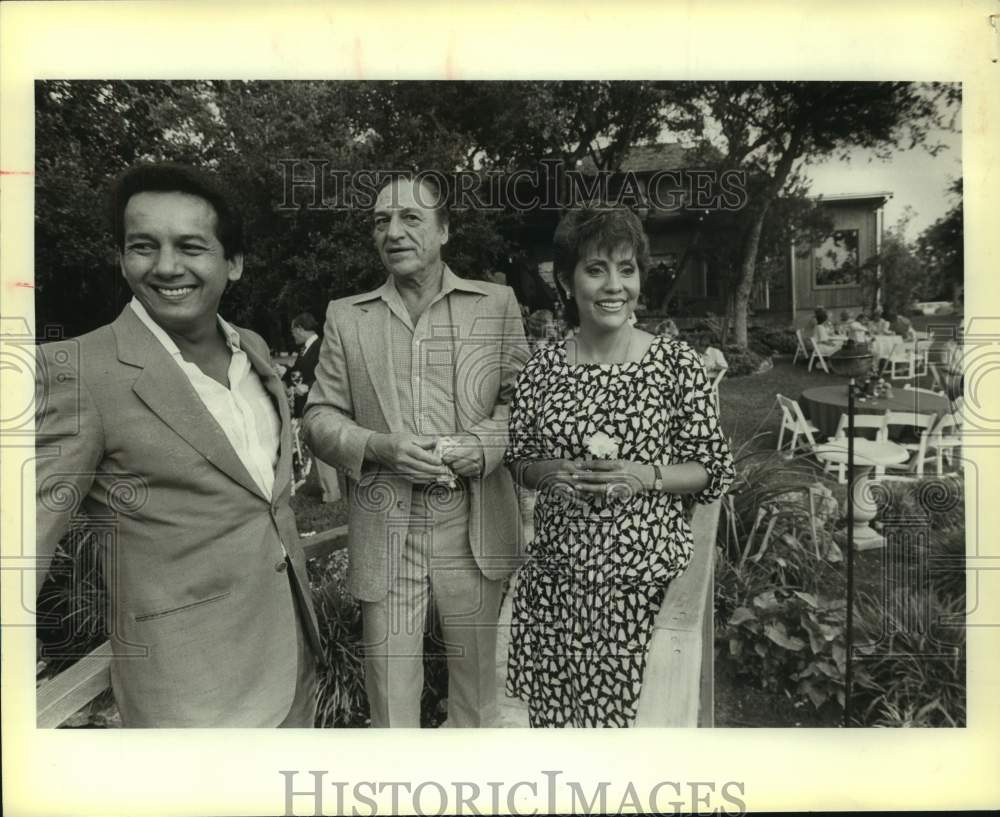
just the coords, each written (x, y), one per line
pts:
(836, 261)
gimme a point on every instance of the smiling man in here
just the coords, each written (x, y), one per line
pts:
(410, 401)
(173, 425)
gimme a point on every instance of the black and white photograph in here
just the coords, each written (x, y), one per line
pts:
(427, 403)
(583, 376)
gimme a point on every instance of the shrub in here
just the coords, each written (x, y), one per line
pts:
(342, 700)
(772, 340)
(781, 606)
(790, 640)
(72, 604)
(745, 361)
(908, 675)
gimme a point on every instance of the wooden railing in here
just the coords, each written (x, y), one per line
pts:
(66, 693)
(678, 687)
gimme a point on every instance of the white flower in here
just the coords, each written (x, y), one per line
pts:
(442, 445)
(603, 447)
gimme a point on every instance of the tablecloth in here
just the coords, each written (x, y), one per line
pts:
(824, 405)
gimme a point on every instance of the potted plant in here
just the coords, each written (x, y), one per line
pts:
(851, 360)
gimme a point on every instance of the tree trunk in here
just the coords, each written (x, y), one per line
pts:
(748, 267)
(751, 242)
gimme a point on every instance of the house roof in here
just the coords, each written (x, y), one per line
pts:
(647, 158)
(881, 197)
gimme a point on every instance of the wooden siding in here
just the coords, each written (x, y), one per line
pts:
(807, 296)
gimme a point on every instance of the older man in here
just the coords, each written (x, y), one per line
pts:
(410, 401)
(172, 424)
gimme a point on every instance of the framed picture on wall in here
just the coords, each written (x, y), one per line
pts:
(835, 261)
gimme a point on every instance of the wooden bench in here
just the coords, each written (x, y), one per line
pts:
(61, 696)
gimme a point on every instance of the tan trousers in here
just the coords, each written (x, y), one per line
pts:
(434, 557)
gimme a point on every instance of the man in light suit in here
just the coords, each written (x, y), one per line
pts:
(427, 356)
(171, 422)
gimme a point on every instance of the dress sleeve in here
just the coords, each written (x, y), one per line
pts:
(694, 428)
(525, 443)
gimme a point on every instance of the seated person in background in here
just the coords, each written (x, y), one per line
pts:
(898, 325)
(712, 359)
(842, 327)
(667, 328)
(857, 329)
(824, 338)
(879, 325)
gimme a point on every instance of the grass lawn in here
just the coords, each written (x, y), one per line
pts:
(748, 405)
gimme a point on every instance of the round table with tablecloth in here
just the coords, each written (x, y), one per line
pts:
(882, 346)
(824, 405)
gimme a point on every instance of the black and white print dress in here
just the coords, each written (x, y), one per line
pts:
(597, 569)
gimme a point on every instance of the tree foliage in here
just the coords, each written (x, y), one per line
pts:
(299, 257)
(940, 249)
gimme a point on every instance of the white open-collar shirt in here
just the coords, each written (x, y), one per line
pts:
(244, 411)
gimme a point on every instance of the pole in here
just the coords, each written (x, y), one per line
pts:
(849, 623)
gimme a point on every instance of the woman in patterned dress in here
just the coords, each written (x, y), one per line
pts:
(610, 533)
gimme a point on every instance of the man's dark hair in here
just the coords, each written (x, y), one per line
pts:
(601, 228)
(170, 177)
(430, 180)
(305, 321)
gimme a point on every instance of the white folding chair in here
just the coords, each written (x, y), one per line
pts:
(714, 388)
(800, 347)
(817, 355)
(911, 419)
(941, 442)
(861, 422)
(922, 353)
(903, 361)
(794, 421)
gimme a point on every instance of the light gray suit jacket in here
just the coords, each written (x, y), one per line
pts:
(354, 396)
(203, 620)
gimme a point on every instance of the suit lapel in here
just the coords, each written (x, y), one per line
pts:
(274, 387)
(167, 392)
(373, 336)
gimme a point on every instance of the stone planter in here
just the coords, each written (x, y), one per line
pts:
(854, 364)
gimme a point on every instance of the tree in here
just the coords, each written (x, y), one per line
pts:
(771, 129)
(940, 249)
(895, 276)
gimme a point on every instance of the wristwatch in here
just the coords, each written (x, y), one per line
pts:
(657, 478)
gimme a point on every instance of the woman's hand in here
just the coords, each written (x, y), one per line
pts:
(612, 479)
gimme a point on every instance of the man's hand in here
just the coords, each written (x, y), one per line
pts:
(464, 456)
(411, 455)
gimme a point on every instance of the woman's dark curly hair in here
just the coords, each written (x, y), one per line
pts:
(594, 228)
